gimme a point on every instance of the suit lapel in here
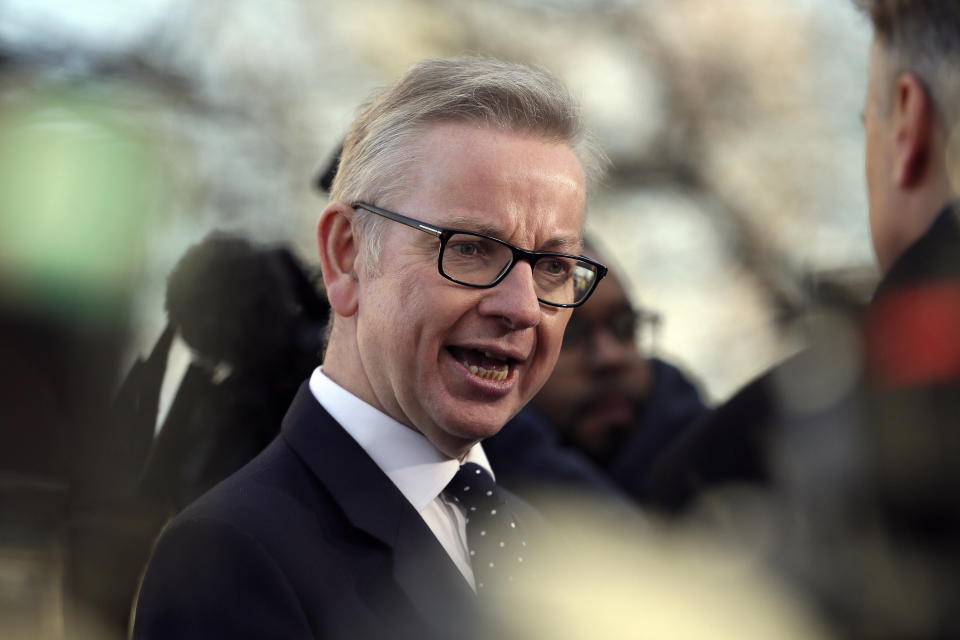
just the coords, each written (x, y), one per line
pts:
(372, 503)
(428, 576)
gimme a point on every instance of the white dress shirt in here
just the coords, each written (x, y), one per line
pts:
(418, 469)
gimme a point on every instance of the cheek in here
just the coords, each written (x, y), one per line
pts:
(549, 341)
(426, 318)
(405, 300)
(387, 320)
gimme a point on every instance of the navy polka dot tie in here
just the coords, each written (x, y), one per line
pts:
(494, 536)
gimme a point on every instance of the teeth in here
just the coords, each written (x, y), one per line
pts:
(500, 373)
(492, 355)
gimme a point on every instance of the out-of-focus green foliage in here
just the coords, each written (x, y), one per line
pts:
(76, 186)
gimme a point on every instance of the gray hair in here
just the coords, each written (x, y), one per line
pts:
(922, 37)
(379, 151)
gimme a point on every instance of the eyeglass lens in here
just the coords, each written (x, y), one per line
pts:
(622, 326)
(480, 261)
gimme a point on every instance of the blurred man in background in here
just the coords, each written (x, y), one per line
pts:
(858, 435)
(253, 319)
(606, 402)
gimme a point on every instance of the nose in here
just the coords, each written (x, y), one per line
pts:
(514, 299)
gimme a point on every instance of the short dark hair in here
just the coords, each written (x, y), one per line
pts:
(244, 304)
(922, 37)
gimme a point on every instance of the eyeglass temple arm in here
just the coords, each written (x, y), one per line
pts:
(396, 217)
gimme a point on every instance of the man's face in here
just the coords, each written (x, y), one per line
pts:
(878, 152)
(597, 390)
(418, 333)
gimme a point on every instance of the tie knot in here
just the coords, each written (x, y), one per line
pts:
(473, 486)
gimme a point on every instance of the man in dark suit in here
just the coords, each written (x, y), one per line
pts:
(449, 252)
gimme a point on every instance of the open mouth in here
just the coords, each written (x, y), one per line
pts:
(482, 364)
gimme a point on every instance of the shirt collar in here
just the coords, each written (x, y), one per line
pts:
(418, 469)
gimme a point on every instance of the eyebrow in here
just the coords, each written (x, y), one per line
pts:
(560, 244)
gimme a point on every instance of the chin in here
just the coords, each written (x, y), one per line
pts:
(476, 428)
(456, 438)
(476, 417)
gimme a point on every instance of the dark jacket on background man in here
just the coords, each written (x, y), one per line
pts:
(528, 451)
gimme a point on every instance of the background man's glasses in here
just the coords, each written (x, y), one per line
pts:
(634, 326)
(482, 261)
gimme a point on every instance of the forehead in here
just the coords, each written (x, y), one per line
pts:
(519, 187)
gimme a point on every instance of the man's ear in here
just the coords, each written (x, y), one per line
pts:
(913, 126)
(337, 245)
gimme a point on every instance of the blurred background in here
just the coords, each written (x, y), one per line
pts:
(733, 128)
(129, 130)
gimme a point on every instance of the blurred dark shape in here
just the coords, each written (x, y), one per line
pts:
(731, 444)
(607, 410)
(70, 524)
(728, 446)
(110, 527)
(56, 381)
(244, 306)
(255, 322)
(913, 368)
(855, 442)
(325, 178)
(907, 345)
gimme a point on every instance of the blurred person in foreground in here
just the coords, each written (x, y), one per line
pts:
(450, 257)
(859, 434)
(606, 400)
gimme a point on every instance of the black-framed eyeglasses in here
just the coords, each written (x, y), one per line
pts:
(478, 260)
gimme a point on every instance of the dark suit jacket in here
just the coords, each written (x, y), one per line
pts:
(308, 540)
